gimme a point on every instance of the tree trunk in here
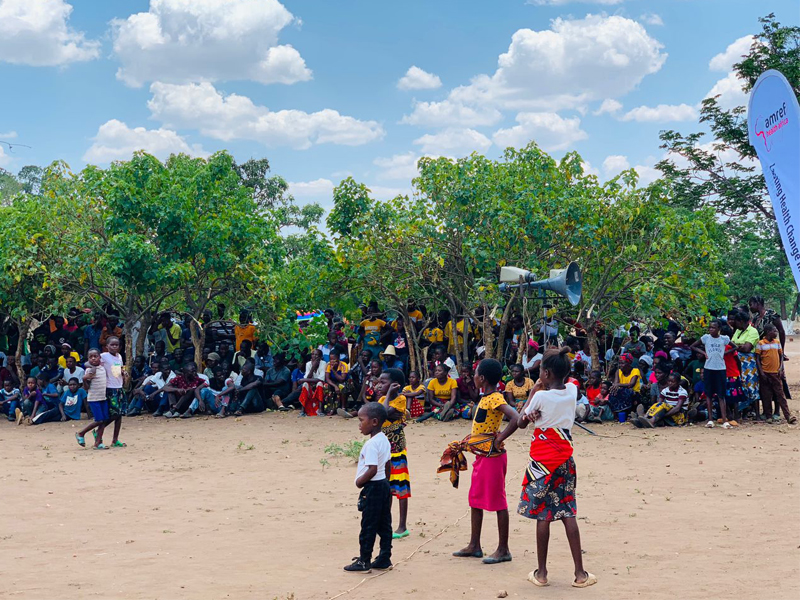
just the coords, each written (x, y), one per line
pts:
(796, 307)
(488, 331)
(144, 327)
(23, 328)
(411, 341)
(784, 314)
(127, 330)
(501, 338)
(591, 338)
(198, 341)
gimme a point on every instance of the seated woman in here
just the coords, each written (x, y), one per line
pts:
(442, 391)
(337, 386)
(627, 383)
(468, 395)
(518, 389)
(312, 392)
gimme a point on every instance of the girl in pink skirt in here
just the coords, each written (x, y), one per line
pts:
(488, 488)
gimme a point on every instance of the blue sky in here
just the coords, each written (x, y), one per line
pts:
(326, 89)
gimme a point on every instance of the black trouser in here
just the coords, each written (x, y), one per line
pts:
(375, 504)
(714, 384)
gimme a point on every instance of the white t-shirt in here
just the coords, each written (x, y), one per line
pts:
(584, 358)
(715, 350)
(78, 374)
(157, 379)
(376, 451)
(113, 366)
(557, 407)
(319, 373)
(527, 363)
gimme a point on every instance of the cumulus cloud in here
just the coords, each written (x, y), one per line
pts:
(201, 106)
(9, 135)
(116, 141)
(651, 19)
(178, 41)
(610, 106)
(417, 79)
(661, 113)
(398, 166)
(36, 33)
(733, 54)
(453, 142)
(5, 159)
(319, 191)
(575, 62)
(448, 113)
(615, 164)
(549, 130)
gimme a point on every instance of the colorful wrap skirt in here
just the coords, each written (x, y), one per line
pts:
(749, 379)
(399, 480)
(551, 497)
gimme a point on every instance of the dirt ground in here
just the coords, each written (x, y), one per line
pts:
(246, 509)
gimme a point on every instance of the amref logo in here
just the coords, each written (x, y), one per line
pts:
(770, 125)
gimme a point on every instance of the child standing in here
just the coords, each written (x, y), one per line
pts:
(390, 383)
(94, 380)
(548, 491)
(112, 363)
(714, 379)
(488, 486)
(375, 499)
(769, 358)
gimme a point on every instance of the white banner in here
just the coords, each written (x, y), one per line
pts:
(773, 122)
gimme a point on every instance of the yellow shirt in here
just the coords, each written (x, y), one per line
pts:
(62, 362)
(487, 415)
(244, 332)
(442, 391)
(372, 330)
(409, 390)
(399, 404)
(175, 332)
(627, 378)
(433, 334)
(341, 369)
(415, 316)
(520, 392)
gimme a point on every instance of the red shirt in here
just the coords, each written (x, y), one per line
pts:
(731, 368)
(181, 383)
(593, 393)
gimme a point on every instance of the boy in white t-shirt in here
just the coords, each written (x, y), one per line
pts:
(375, 499)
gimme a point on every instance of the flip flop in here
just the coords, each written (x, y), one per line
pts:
(536, 582)
(118, 444)
(476, 554)
(100, 447)
(491, 560)
(81, 440)
(590, 580)
(397, 536)
(283, 409)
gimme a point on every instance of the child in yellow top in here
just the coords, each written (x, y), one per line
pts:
(389, 384)
(414, 392)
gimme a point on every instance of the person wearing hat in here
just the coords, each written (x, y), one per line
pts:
(66, 350)
(211, 362)
(645, 367)
(531, 360)
(390, 360)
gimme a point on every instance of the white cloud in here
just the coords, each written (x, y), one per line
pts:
(319, 191)
(399, 166)
(575, 62)
(661, 113)
(116, 141)
(610, 106)
(10, 135)
(417, 79)
(730, 91)
(651, 19)
(453, 142)
(549, 130)
(181, 41)
(448, 113)
(588, 169)
(201, 106)
(647, 175)
(733, 54)
(36, 33)
(615, 164)
(5, 159)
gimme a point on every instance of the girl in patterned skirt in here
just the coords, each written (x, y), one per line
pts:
(548, 491)
(388, 388)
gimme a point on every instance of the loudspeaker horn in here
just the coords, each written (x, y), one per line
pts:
(564, 282)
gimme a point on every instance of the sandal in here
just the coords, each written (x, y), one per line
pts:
(792, 420)
(398, 536)
(462, 554)
(536, 582)
(100, 447)
(81, 440)
(283, 409)
(118, 444)
(590, 580)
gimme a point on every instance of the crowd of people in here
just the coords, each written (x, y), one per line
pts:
(665, 377)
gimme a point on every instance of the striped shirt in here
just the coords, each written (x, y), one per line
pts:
(770, 353)
(97, 386)
(672, 398)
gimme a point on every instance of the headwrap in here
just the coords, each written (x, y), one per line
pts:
(661, 354)
(646, 359)
(626, 358)
(534, 344)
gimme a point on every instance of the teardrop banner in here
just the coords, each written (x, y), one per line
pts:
(773, 122)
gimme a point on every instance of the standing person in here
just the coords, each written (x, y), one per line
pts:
(745, 340)
(244, 330)
(487, 489)
(769, 357)
(111, 329)
(92, 333)
(117, 405)
(375, 499)
(714, 379)
(95, 383)
(550, 481)
(390, 383)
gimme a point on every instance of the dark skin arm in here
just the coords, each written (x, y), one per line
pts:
(699, 347)
(367, 476)
(513, 417)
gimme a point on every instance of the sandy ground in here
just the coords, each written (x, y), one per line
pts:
(245, 509)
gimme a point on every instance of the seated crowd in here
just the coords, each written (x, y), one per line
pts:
(734, 371)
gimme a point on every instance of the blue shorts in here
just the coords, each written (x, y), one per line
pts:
(99, 410)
